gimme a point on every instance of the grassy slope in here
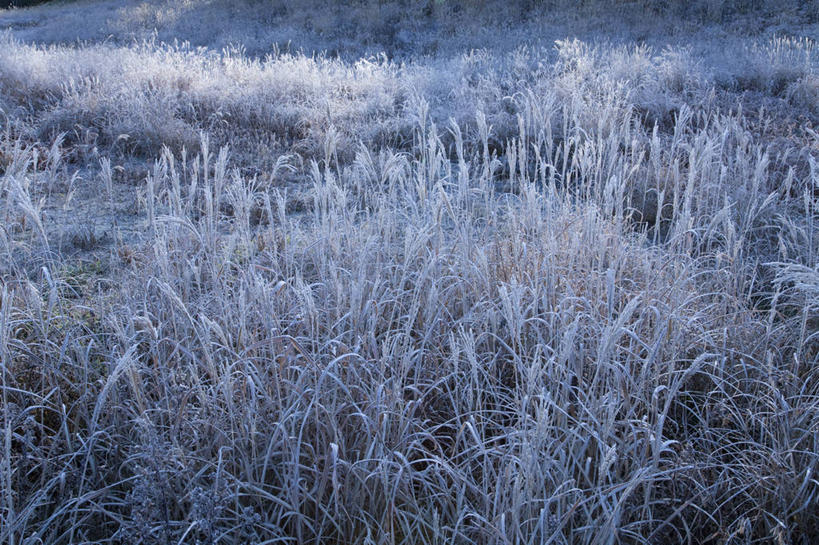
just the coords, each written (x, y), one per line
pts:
(485, 286)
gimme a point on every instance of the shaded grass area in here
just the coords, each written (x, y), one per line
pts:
(557, 294)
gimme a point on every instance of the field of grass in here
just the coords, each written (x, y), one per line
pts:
(412, 273)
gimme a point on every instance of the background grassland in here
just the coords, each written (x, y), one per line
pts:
(355, 275)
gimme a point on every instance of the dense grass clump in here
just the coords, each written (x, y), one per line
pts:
(552, 290)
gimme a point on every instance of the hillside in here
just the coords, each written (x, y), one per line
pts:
(408, 272)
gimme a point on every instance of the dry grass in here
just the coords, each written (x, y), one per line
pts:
(561, 294)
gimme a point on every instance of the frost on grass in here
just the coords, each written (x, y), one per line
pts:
(561, 293)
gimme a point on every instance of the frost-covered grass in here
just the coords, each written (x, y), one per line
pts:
(538, 292)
